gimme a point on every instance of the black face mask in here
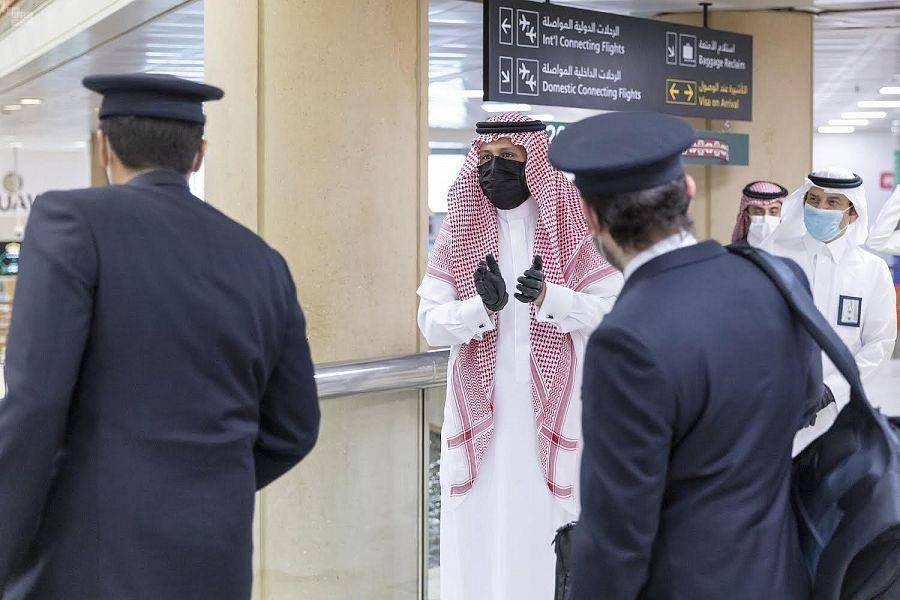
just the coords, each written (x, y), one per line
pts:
(503, 182)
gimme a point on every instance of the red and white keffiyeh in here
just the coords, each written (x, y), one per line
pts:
(742, 225)
(468, 233)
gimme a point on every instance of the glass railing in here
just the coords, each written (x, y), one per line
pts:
(366, 502)
(434, 419)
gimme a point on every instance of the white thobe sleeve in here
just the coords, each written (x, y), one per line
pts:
(579, 312)
(879, 332)
(884, 236)
(446, 321)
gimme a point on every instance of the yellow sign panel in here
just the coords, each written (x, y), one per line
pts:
(680, 91)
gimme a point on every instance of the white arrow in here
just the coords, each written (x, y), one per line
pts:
(671, 51)
(505, 26)
(504, 76)
(524, 24)
(524, 71)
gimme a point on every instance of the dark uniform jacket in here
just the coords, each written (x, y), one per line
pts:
(694, 386)
(158, 374)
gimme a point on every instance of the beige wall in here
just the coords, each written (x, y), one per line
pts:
(781, 130)
(318, 146)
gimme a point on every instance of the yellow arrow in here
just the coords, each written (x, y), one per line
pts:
(689, 92)
(673, 91)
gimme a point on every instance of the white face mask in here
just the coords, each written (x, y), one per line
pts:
(761, 227)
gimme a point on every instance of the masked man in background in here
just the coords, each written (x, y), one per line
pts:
(760, 212)
(510, 445)
(824, 228)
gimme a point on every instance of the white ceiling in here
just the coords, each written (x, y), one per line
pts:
(855, 54)
(173, 43)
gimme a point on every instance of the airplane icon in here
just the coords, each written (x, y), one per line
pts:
(528, 80)
(524, 71)
(524, 23)
(529, 29)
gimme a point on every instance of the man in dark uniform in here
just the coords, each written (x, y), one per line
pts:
(158, 373)
(691, 400)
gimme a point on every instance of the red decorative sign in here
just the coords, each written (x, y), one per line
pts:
(709, 148)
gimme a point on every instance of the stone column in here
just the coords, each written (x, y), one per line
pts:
(319, 146)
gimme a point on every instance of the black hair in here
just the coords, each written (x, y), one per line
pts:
(637, 220)
(143, 142)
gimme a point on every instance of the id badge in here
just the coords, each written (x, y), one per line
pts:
(849, 311)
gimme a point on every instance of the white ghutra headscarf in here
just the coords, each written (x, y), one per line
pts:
(834, 180)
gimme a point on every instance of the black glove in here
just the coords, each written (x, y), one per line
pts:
(531, 284)
(490, 285)
(826, 399)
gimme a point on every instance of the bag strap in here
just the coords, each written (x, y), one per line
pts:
(801, 304)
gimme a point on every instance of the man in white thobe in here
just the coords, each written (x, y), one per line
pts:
(824, 228)
(515, 286)
(884, 236)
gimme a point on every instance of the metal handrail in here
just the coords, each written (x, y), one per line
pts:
(415, 371)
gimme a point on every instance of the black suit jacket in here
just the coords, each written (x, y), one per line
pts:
(158, 374)
(694, 386)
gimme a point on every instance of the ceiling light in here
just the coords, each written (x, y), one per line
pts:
(889, 90)
(870, 114)
(174, 61)
(16, 145)
(878, 104)
(12, 107)
(447, 55)
(31, 101)
(176, 46)
(182, 36)
(495, 107)
(177, 24)
(544, 117)
(472, 94)
(858, 122)
(448, 21)
(177, 73)
(839, 129)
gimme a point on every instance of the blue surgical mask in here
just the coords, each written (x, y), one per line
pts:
(823, 225)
